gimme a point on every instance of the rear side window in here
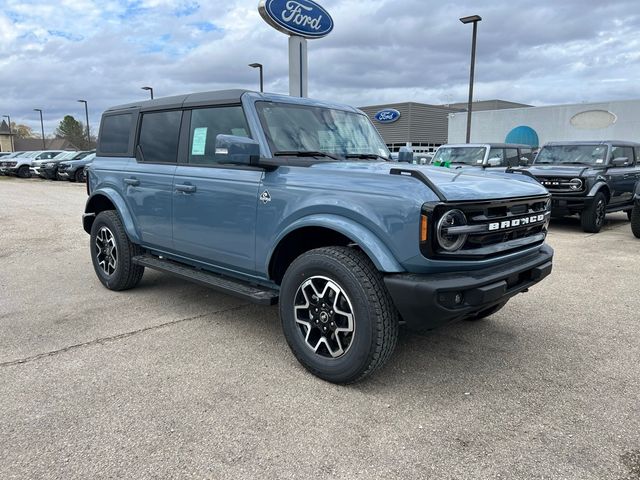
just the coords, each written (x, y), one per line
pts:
(207, 124)
(159, 135)
(115, 133)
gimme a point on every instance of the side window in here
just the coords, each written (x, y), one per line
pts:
(207, 124)
(496, 157)
(159, 135)
(115, 133)
(619, 152)
(512, 157)
(637, 150)
(526, 153)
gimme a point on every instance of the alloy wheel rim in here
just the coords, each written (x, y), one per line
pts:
(106, 251)
(324, 317)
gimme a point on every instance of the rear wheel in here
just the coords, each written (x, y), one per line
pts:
(337, 315)
(112, 253)
(635, 220)
(23, 171)
(592, 218)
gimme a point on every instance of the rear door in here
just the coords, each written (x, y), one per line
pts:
(148, 183)
(214, 204)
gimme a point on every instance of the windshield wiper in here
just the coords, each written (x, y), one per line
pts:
(303, 153)
(363, 156)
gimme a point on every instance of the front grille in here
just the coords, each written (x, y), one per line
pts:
(9, 164)
(494, 227)
(562, 184)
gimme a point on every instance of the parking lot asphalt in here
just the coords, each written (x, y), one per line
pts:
(171, 380)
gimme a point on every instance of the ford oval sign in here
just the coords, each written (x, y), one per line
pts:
(303, 18)
(388, 115)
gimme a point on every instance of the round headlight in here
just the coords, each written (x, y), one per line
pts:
(451, 241)
(576, 184)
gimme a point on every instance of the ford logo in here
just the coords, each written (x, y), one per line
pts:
(303, 18)
(388, 115)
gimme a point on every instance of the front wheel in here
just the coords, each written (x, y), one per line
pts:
(337, 315)
(635, 220)
(592, 218)
(112, 253)
(79, 175)
(23, 172)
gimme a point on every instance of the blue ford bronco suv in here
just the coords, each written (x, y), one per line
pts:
(277, 199)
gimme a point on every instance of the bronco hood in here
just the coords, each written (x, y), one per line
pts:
(455, 184)
(557, 170)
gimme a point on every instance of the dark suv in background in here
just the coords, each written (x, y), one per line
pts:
(589, 178)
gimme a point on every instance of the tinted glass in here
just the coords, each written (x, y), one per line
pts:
(626, 152)
(159, 134)
(496, 157)
(512, 157)
(114, 136)
(207, 124)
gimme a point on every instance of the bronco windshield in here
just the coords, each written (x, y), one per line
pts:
(572, 155)
(296, 129)
(465, 155)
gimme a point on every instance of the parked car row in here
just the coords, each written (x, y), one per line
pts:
(588, 178)
(47, 164)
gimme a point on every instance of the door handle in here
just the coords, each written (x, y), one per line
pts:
(186, 188)
(134, 182)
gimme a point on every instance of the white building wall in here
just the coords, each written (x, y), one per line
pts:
(552, 123)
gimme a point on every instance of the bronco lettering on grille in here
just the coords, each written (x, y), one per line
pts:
(518, 222)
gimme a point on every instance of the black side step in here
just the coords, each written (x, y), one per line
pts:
(254, 294)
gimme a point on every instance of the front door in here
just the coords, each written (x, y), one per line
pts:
(623, 178)
(148, 182)
(214, 205)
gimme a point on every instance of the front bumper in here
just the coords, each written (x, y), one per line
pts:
(569, 204)
(428, 301)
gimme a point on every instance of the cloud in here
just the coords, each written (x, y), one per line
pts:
(53, 53)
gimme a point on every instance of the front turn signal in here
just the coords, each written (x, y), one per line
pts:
(423, 228)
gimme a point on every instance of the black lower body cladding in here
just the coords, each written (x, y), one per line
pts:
(426, 301)
(568, 205)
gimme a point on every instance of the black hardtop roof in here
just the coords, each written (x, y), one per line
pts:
(179, 101)
(623, 143)
(491, 144)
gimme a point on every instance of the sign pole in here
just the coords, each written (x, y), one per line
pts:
(298, 66)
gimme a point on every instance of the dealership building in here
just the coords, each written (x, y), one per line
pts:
(421, 126)
(618, 120)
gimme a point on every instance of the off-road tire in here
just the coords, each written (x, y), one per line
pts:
(126, 274)
(375, 317)
(592, 218)
(486, 313)
(23, 172)
(635, 220)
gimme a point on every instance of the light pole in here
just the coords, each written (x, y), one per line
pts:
(44, 147)
(471, 19)
(10, 132)
(150, 91)
(259, 65)
(86, 112)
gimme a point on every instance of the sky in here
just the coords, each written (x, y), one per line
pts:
(53, 53)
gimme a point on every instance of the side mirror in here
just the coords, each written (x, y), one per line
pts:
(524, 161)
(237, 150)
(620, 161)
(405, 155)
(494, 162)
